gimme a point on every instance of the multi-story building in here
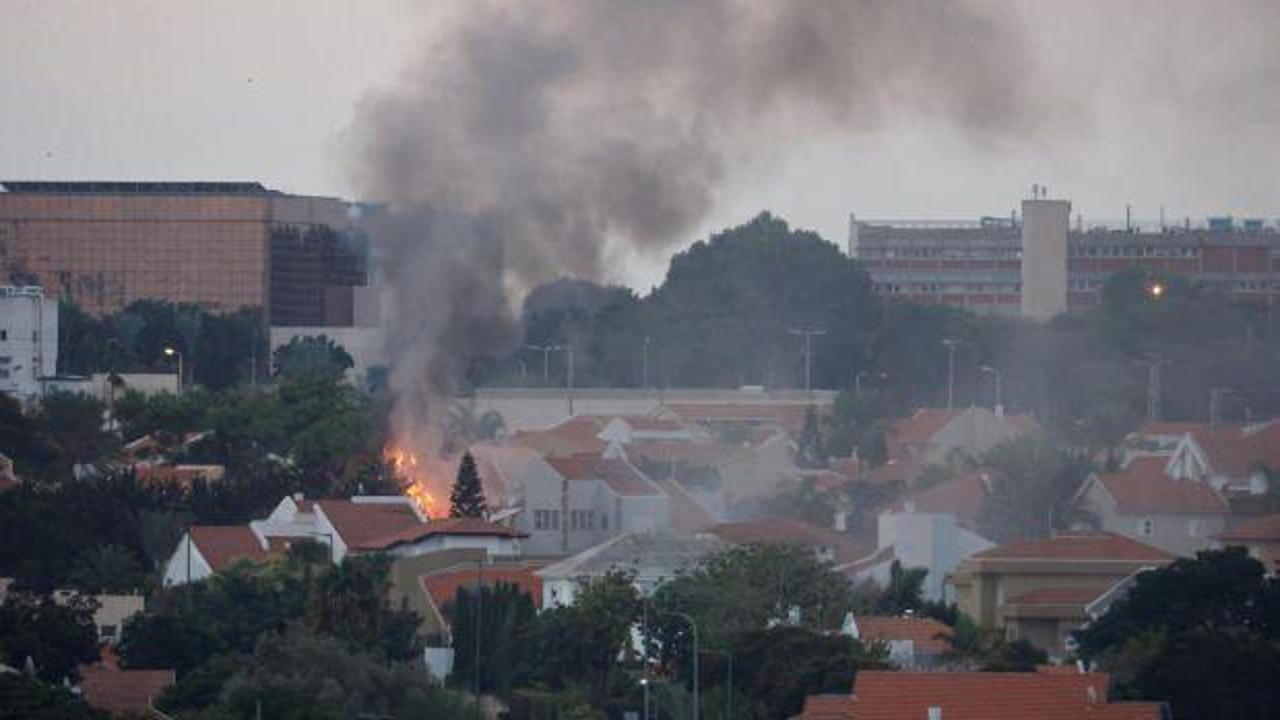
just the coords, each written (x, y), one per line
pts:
(28, 340)
(222, 245)
(980, 265)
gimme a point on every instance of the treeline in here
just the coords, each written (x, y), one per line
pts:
(725, 314)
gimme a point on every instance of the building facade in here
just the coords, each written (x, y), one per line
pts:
(222, 245)
(979, 265)
(28, 340)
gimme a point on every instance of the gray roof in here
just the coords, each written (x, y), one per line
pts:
(645, 554)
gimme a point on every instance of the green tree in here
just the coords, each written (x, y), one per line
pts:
(350, 602)
(1035, 483)
(108, 569)
(580, 644)
(466, 500)
(58, 637)
(904, 592)
(23, 698)
(27, 442)
(506, 620)
(779, 667)
(312, 356)
(1202, 634)
(810, 452)
(76, 423)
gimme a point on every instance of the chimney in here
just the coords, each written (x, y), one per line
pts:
(1000, 411)
(935, 713)
(842, 521)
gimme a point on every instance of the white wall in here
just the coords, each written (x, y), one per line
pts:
(28, 340)
(929, 540)
(1044, 257)
(178, 572)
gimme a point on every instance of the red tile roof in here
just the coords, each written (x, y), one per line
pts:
(928, 636)
(571, 437)
(701, 454)
(447, 526)
(180, 475)
(221, 545)
(1262, 529)
(619, 475)
(883, 695)
(962, 495)
(1077, 546)
(1167, 428)
(443, 585)
(1143, 487)
(793, 533)
(827, 707)
(917, 429)
(1237, 451)
(123, 691)
(362, 523)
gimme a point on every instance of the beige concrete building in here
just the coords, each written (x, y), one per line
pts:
(1040, 590)
(221, 245)
(1044, 257)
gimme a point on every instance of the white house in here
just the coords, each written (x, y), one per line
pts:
(652, 557)
(28, 340)
(933, 541)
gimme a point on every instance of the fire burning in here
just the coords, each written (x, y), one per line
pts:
(416, 480)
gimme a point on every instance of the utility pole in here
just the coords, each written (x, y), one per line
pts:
(479, 608)
(644, 378)
(951, 344)
(808, 355)
(689, 619)
(1153, 363)
(546, 359)
(569, 381)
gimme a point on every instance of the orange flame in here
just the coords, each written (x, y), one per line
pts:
(416, 481)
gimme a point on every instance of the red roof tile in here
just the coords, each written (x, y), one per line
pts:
(123, 691)
(788, 415)
(928, 636)
(917, 429)
(360, 523)
(1262, 529)
(882, 695)
(793, 533)
(443, 585)
(962, 495)
(1143, 487)
(1237, 451)
(1077, 546)
(827, 707)
(573, 436)
(446, 526)
(221, 545)
(619, 475)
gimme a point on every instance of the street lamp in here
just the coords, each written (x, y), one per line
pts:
(1156, 290)
(995, 374)
(172, 351)
(689, 619)
(644, 382)
(951, 344)
(546, 359)
(808, 355)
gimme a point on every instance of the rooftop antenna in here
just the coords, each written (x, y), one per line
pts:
(1161, 217)
(1079, 222)
(1128, 218)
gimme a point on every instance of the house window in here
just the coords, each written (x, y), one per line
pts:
(604, 521)
(1146, 527)
(546, 519)
(4, 334)
(107, 632)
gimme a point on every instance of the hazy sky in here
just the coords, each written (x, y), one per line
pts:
(1171, 102)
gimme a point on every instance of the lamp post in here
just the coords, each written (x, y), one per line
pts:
(808, 354)
(546, 359)
(951, 344)
(994, 373)
(172, 351)
(694, 625)
(644, 379)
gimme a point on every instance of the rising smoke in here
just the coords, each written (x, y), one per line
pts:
(579, 132)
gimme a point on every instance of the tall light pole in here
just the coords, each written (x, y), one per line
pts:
(172, 351)
(569, 378)
(689, 619)
(546, 359)
(951, 344)
(808, 354)
(995, 374)
(644, 373)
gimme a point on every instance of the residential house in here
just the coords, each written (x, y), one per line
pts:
(827, 545)
(123, 693)
(583, 500)
(1145, 500)
(651, 557)
(1232, 458)
(1039, 590)
(915, 643)
(935, 436)
(363, 524)
(110, 613)
(427, 583)
(1042, 695)
(935, 541)
(1260, 536)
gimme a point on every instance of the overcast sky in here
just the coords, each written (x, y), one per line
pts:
(1174, 103)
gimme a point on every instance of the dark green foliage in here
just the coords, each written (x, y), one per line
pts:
(1014, 656)
(1203, 634)
(810, 452)
(218, 350)
(109, 569)
(1035, 482)
(350, 603)
(58, 637)
(75, 421)
(779, 667)
(579, 645)
(311, 356)
(905, 591)
(466, 500)
(22, 698)
(506, 624)
(28, 443)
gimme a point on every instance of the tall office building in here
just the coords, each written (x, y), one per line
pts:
(1044, 257)
(221, 245)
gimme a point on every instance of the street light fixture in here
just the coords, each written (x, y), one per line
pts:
(808, 356)
(951, 344)
(1156, 290)
(172, 351)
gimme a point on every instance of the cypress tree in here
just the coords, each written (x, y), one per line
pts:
(467, 497)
